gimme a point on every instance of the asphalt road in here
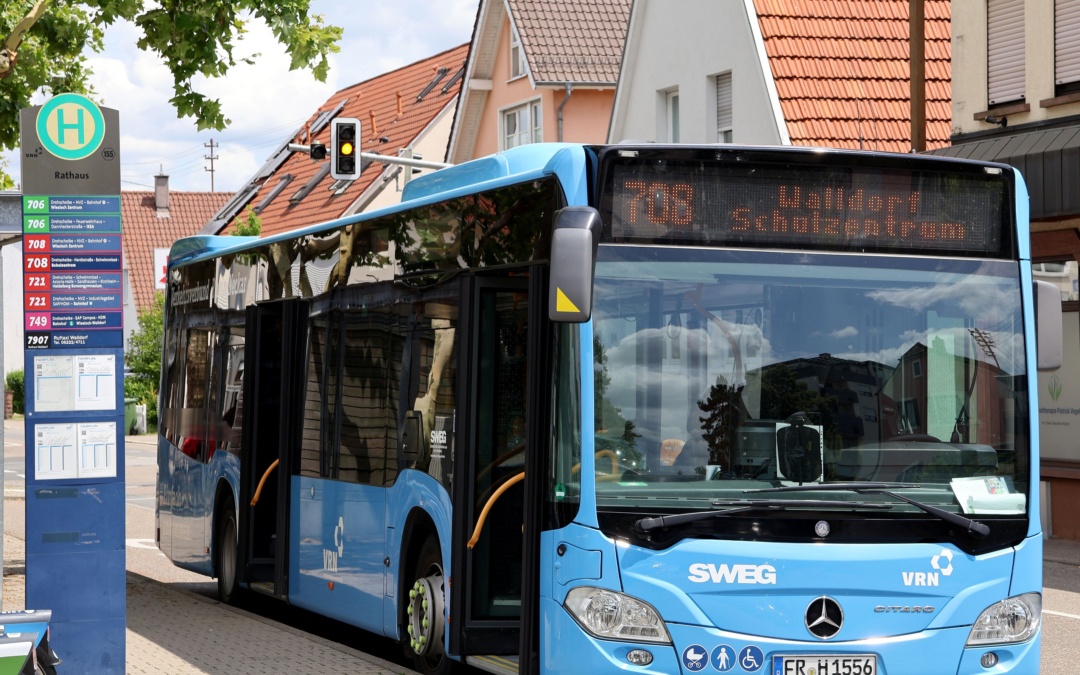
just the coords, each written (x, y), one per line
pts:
(1061, 593)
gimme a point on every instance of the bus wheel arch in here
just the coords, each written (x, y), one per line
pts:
(421, 612)
(225, 542)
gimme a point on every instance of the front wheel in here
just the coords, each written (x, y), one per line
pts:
(424, 616)
(226, 548)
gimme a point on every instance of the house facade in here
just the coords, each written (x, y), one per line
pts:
(1016, 100)
(768, 72)
(539, 71)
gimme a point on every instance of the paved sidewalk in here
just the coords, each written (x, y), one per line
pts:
(172, 631)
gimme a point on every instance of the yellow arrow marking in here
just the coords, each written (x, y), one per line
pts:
(563, 303)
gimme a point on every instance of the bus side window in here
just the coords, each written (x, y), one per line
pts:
(192, 431)
(169, 399)
(232, 394)
(314, 398)
(434, 381)
(366, 421)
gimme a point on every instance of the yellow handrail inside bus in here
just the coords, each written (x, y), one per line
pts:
(262, 481)
(487, 507)
(602, 453)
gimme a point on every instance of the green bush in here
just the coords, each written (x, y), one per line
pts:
(16, 384)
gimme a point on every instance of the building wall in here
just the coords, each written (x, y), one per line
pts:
(1056, 239)
(684, 45)
(585, 116)
(969, 56)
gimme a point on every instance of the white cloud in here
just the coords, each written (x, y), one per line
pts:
(266, 101)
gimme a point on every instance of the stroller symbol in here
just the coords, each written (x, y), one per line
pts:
(695, 657)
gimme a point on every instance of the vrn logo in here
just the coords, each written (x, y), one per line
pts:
(732, 574)
(942, 562)
(330, 556)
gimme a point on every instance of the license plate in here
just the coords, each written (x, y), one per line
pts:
(825, 664)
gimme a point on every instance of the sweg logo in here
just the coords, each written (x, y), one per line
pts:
(732, 574)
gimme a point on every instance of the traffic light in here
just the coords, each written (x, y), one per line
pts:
(344, 148)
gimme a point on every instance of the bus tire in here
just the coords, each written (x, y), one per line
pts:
(423, 637)
(226, 554)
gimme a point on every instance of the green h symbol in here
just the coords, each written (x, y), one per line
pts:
(79, 126)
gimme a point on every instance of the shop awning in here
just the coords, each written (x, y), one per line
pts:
(1048, 159)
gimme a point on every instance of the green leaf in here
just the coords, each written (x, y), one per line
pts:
(192, 38)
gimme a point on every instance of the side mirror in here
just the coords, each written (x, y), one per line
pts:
(573, 260)
(1048, 327)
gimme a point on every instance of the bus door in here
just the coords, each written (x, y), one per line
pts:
(275, 346)
(495, 579)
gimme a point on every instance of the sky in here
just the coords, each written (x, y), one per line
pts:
(266, 102)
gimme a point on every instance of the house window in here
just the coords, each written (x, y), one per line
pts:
(724, 131)
(673, 116)
(522, 125)
(1005, 51)
(517, 56)
(1066, 46)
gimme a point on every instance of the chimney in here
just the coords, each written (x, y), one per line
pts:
(161, 195)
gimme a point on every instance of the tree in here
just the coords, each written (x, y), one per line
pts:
(192, 38)
(143, 357)
(249, 226)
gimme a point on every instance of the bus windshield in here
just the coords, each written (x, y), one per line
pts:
(719, 372)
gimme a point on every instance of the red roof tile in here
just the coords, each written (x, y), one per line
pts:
(841, 69)
(572, 40)
(144, 231)
(376, 100)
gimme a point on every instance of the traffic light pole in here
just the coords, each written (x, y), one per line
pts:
(372, 157)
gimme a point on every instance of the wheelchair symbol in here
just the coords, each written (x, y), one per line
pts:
(751, 658)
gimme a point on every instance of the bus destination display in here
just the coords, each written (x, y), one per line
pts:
(848, 208)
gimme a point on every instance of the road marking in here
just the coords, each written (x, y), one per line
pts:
(1064, 614)
(147, 544)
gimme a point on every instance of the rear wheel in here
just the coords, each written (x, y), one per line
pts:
(424, 615)
(226, 552)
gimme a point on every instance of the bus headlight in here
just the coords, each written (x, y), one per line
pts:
(616, 616)
(1013, 619)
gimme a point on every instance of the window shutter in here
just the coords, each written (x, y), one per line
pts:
(1066, 41)
(723, 105)
(1005, 50)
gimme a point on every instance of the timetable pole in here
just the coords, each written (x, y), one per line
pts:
(74, 364)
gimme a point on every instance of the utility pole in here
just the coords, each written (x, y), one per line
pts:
(917, 57)
(210, 157)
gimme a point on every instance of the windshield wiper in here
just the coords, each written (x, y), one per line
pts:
(973, 526)
(741, 505)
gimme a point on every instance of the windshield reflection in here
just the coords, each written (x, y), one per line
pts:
(732, 370)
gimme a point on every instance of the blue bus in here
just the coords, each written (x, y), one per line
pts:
(636, 408)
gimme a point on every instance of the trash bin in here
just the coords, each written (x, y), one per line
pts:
(129, 415)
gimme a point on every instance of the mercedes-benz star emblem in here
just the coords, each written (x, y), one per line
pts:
(824, 617)
(821, 529)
